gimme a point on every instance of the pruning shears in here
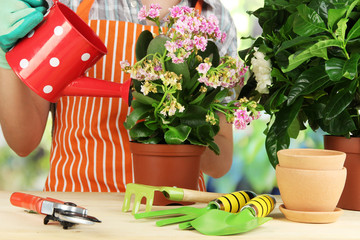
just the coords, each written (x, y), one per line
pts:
(66, 213)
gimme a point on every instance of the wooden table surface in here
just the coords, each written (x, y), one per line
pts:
(15, 223)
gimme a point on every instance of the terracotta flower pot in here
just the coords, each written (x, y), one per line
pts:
(311, 182)
(166, 165)
(310, 190)
(350, 198)
(311, 159)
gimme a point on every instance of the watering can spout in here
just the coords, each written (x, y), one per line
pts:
(92, 87)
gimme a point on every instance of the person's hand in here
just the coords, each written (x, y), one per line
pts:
(18, 18)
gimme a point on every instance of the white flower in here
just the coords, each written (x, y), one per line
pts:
(262, 72)
(163, 112)
(180, 107)
(148, 87)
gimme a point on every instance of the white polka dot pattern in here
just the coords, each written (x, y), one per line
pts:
(58, 31)
(48, 89)
(85, 57)
(54, 62)
(24, 63)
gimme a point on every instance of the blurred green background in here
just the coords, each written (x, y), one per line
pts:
(250, 170)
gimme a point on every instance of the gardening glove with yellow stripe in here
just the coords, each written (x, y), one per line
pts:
(18, 18)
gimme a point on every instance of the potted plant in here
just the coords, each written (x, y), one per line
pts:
(305, 72)
(180, 84)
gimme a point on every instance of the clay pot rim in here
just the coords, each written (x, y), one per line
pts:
(165, 149)
(310, 152)
(310, 170)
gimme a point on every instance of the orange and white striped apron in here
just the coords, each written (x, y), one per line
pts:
(90, 147)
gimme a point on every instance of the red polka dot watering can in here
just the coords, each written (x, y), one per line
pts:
(53, 58)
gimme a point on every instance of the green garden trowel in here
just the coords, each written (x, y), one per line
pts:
(231, 202)
(252, 215)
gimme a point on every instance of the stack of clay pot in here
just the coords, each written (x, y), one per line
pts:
(311, 182)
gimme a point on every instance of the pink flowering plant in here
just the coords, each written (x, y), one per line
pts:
(181, 84)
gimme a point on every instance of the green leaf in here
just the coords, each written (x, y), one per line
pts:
(157, 45)
(354, 31)
(214, 147)
(286, 115)
(205, 133)
(317, 50)
(179, 69)
(337, 103)
(194, 140)
(222, 94)
(137, 114)
(275, 100)
(351, 8)
(177, 135)
(315, 111)
(334, 68)
(341, 29)
(294, 129)
(190, 86)
(308, 82)
(151, 140)
(194, 116)
(152, 124)
(198, 99)
(142, 44)
(278, 138)
(210, 97)
(334, 15)
(308, 22)
(140, 131)
(275, 142)
(144, 99)
(351, 66)
(276, 73)
(340, 125)
(298, 41)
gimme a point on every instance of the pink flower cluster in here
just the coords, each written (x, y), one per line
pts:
(242, 118)
(153, 13)
(189, 32)
(228, 74)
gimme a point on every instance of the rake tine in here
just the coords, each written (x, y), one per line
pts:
(149, 197)
(136, 207)
(149, 203)
(173, 220)
(126, 203)
(137, 203)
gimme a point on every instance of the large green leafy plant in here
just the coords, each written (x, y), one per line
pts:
(312, 51)
(181, 83)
